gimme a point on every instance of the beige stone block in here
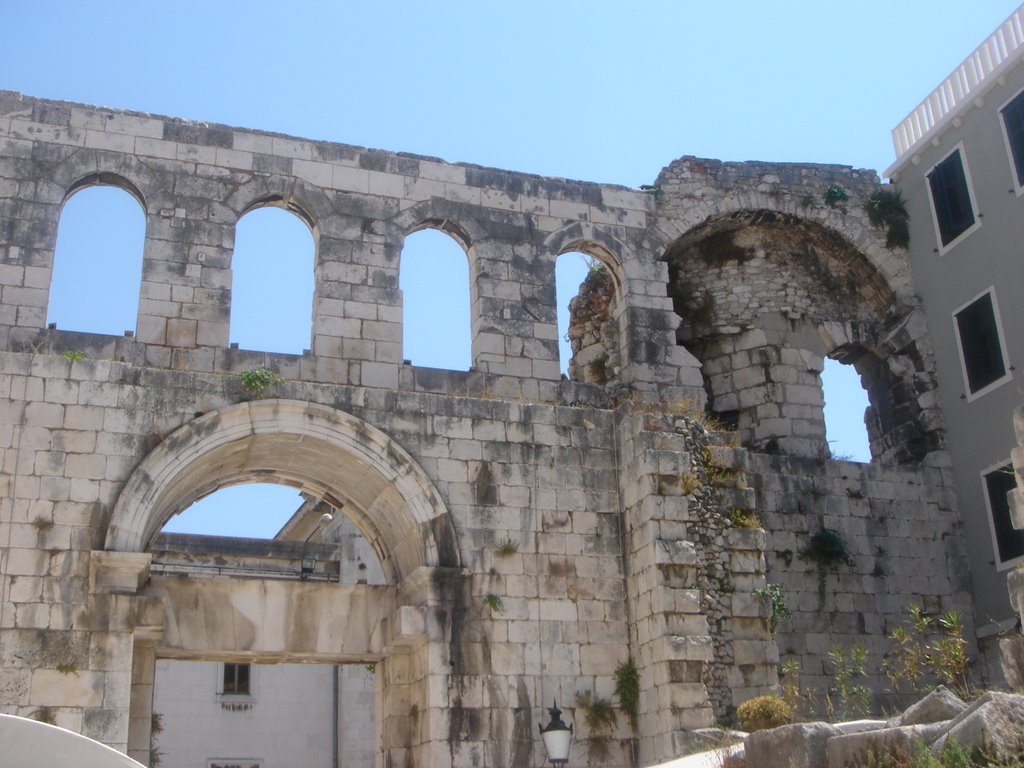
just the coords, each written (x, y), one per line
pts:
(91, 466)
(26, 562)
(313, 172)
(118, 571)
(181, 333)
(249, 141)
(385, 184)
(14, 687)
(50, 687)
(150, 147)
(423, 189)
(291, 148)
(114, 141)
(234, 159)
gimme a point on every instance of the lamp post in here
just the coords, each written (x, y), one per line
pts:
(308, 565)
(557, 736)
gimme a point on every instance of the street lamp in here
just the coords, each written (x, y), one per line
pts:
(557, 736)
(308, 565)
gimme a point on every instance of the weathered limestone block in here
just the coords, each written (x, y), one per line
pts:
(1011, 656)
(801, 745)
(849, 749)
(991, 723)
(51, 687)
(123, 572)
(939, 705)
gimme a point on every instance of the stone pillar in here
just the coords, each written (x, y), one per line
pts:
(186, 281)
(669, 633)
(414, 707)
(140, 722)
(357, 305)
(114, 580)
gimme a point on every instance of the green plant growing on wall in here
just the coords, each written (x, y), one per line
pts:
(772, 594)
(743, 518)
(627, 689)
(691, 483)
(887, 210)
(835, 195)
(507, 548)
(494, 602)
(601, 719)
(73, 355)
(257, 381)
(848, 695)
(827, 551)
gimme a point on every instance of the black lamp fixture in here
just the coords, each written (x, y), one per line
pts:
(557, 736)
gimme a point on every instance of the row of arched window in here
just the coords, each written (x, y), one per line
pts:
(97, 274)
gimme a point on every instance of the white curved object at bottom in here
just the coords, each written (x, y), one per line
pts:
(27, 743)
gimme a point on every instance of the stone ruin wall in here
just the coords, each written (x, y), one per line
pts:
(613, 504)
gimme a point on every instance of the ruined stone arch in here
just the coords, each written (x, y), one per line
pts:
(595, 241)
(307, 202)
(764, 296)
(445, 216)
(88, 168)
(326, 452)
(597, 315)
(106, 179)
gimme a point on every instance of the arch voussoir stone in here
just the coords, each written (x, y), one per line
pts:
(322, 450)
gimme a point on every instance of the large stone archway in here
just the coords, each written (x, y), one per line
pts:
(323, 451)
(329, 454)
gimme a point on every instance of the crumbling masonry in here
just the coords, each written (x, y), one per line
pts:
(598, 510)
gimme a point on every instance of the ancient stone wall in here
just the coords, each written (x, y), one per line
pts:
(535, 534)
(905, 547)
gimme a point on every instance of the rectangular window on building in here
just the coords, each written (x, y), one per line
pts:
(1007, 540)
(981, 344)
(236, 680)
(951, 198)
(1013, 127)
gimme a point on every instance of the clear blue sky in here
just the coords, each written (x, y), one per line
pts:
(602, 91)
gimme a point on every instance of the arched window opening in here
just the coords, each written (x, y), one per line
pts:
(249, 511)
(845, 403)
(592, 328)
(434, 278)
(571, 269)
(97, 264)
(272, 282)
(272, 511)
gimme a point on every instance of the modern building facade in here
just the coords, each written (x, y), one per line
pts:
(960, 169)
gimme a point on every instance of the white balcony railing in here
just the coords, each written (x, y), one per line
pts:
(966, 82)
